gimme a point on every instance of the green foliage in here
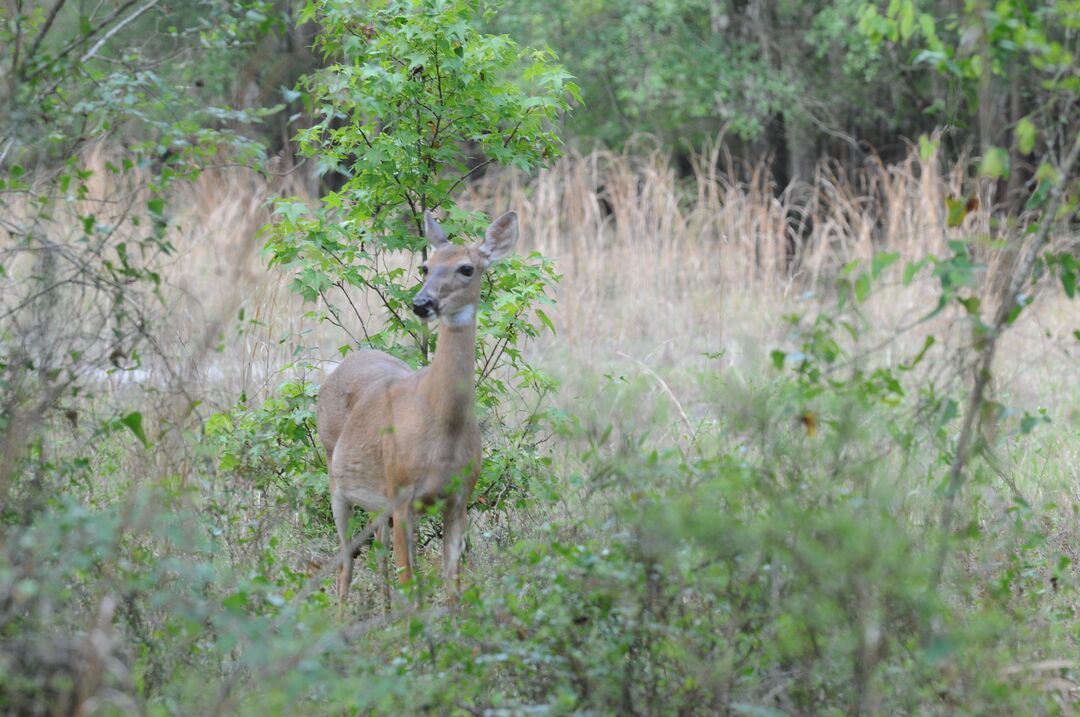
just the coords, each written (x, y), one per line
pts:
(106, 109)
(270, 449)
(983, 50)
(773, 571)
(788, 76)
(997, 37)
(411, 98)
(655, 67)
(65, 88)
(412, 91)
(409, 95)
(96, 131)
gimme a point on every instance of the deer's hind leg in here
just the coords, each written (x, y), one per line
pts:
(342, 510)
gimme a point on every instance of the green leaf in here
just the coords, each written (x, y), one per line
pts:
(971, 531)
(547, 322)
(848, 268)
(1014, 313)
(927, 148)
(907, 19)
(778, 359)
(134, 423)
(927, 343)
(958, 208)
(971, 304)
(1025, 135)
(926, 24)
(228, 462)
(951, 411)
(1038, 197)
(237, 602)
(911, 269)
(862, 288)
(995, 164)
(883, 261)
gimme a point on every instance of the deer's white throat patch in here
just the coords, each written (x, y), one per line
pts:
(462, 317)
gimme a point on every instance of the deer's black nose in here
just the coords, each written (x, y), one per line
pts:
(424, 306)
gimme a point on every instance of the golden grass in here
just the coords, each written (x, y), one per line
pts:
(667, 269)
(660, 275)
(656, 267)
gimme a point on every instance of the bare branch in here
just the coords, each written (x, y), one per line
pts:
(117, 28)
(44, 30)
(1009, 302)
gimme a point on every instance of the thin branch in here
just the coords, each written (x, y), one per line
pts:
(364, 136)
(670, 394)
(1009, 302)
(93, 31)
(468, 174)
(117, 28)
(335, 319)
(363, 326)
(513, 133)
(43, 31)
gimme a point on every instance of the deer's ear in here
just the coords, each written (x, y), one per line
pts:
(435, 234)
(500, 238)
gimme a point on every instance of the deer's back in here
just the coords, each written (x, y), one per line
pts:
(355, 382)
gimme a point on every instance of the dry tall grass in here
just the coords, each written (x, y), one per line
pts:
(667, 268)
(657, 267)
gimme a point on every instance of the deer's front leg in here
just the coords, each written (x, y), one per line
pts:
(384, 563)
(403, 557)
(455, 521)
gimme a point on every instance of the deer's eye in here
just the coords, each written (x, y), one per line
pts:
(466, 270)
(423, 270)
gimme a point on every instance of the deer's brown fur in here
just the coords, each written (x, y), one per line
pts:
(392, 432)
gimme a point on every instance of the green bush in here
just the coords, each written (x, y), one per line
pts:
(271, 449)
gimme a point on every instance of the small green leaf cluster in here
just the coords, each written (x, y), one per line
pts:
(826, 361)
(984, 44)
(271, 449)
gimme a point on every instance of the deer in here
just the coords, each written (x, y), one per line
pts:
(397, 439)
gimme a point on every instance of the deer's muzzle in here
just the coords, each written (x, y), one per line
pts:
(424, 306)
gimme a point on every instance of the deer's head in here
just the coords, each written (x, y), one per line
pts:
(453, 273)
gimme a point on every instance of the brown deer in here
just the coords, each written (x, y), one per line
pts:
(396, 438)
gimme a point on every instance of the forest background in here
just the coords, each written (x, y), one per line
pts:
(780, 395)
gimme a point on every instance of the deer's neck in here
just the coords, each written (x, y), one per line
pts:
(451, 379)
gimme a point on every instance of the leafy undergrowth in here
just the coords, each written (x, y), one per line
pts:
(776, 562)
